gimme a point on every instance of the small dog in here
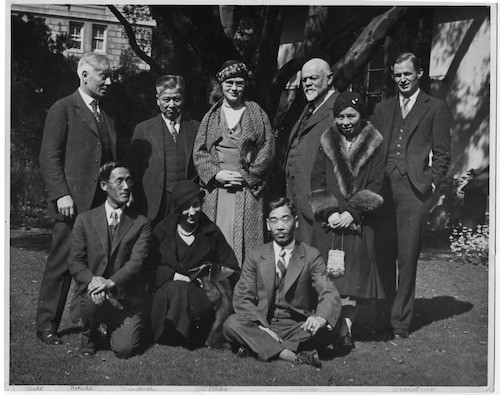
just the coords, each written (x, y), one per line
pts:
(220, 295)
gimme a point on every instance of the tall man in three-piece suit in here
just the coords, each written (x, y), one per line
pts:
(79, 136)
(303, 144)
(110, 244)
(285, 305)
(161, 150)
(416, 131)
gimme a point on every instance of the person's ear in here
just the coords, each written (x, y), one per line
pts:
(104, 186)
(296, 222)
(420, 73)
(267, 225)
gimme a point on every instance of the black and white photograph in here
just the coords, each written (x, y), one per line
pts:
(250, 196)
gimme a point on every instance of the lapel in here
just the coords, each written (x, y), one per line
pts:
(416, 114)
(111, 128)
(268, 270)
(190, 135)
(123, 227)
(391, 108)
(156, 133)
(84, 113)
(295, 128)
(295, 266)
(100, 223)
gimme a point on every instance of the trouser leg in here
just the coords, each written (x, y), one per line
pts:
(411, 213)
(90, 315)
(237, 329)
(56, 279)
(127, 333)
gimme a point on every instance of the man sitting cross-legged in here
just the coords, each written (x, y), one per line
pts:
(110, 244)
(281, 285)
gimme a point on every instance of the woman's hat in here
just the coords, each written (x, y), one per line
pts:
(232, 69)
(349, 99)
(184, 191)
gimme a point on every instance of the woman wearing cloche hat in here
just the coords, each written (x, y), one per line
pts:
(345, 184)
(188, 249)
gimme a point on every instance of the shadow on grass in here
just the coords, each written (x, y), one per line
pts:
(439, 308)
(31, 241)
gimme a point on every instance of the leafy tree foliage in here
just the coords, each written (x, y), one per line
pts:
(40, 75)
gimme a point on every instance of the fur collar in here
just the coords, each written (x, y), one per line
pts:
(346, 165)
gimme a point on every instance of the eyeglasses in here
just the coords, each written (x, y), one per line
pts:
(119, 182)
(286, 219)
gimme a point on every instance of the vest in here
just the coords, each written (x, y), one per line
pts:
(397, 149)
(280, 306)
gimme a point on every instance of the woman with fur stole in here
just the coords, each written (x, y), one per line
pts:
(234, 153)
(346, 179)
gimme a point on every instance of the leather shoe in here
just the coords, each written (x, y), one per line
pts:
(308, 358)
(400, 334)
(87, 351)
(242, 352)
(49, 337)
(347, 343)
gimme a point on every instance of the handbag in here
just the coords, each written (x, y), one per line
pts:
(336, 260)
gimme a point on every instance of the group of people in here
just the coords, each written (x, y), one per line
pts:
(170, 241)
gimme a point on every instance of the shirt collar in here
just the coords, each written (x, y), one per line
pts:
(412, 98)
(167, 121)
(110, 209)
(86, 98)
(288, 249)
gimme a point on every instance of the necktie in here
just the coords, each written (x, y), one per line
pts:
(97, 116)
(405, 109)
(114, 223)
(281, 265)
(310, 111)
(173, 130)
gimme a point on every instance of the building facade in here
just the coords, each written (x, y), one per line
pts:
(89, 27)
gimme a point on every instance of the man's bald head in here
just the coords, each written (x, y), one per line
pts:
(317, 79)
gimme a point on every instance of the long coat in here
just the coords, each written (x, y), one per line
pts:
(209, 246)
(349, 181)
(147, 162)
(91, 253)
(257, 155)
(307, 289)
(71, 150)
(298, 174)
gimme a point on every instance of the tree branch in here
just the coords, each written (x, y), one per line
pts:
(155, 67)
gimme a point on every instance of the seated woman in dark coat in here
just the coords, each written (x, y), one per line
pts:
(345, 183)
(193, 295)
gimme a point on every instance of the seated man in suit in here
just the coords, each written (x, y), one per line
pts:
(284, 303)
(110, 244)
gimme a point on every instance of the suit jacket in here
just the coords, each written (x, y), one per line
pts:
(91, 253)
(70, 155)
(429, 124)
(307, 289)
(307, 148)
(147, 161)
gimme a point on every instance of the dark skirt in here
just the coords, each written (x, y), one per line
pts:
(361, 279)
(181, 313)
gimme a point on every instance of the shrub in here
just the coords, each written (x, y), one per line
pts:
(469, 246)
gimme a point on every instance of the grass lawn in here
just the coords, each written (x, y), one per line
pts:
(448, 345)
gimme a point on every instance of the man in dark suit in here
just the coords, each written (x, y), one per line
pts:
(416, 131)
(79, 136)
(161, 150)
(303, 144)
(284, 303)
(110, 244)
